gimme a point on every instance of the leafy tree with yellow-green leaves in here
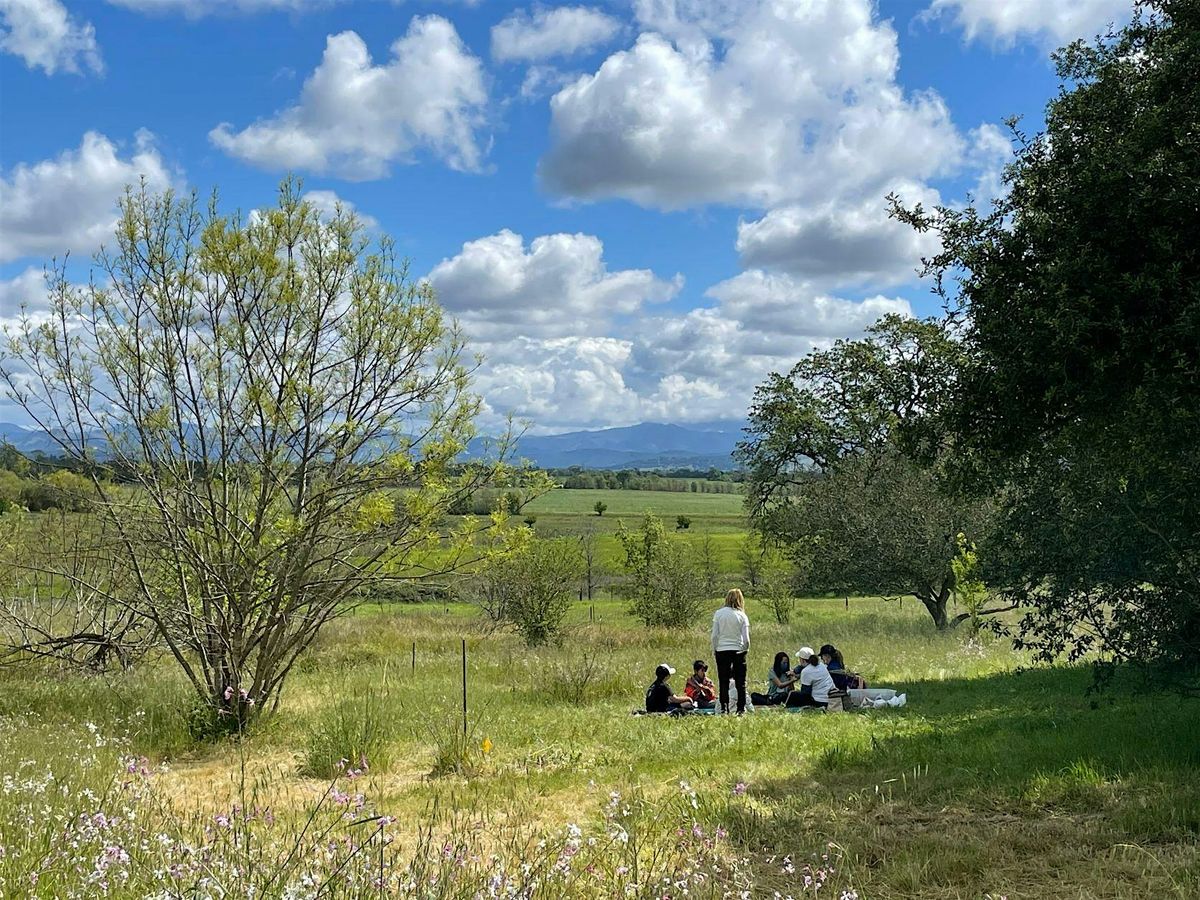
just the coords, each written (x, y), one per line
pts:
(291, 408)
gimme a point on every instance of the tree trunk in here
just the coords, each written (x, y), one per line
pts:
(936, 601)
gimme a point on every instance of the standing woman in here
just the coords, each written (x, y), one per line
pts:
(730, 642)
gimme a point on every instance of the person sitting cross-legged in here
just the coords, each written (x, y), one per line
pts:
(700, 688)
(780, 682)
(816, 685)
(659, 697)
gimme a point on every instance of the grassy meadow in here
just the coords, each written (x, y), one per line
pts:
(992, 782)
(720, 517)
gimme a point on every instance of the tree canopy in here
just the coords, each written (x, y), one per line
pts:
(832, 464)
(1079, 298)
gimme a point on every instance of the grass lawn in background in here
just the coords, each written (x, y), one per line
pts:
(571, 512)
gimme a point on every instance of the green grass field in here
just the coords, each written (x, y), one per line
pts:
(992, 783)
(569, 512)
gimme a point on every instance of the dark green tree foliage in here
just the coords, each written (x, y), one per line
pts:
(832, 475)
(1080, 297)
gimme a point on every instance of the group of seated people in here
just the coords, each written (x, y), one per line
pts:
(819, 677)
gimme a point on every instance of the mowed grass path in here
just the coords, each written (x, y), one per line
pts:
(990, 783)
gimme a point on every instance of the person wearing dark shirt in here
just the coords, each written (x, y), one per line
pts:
(659, 697)
(832, 657)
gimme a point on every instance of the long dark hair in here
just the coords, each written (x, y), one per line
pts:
(833, 653)
(779, 667)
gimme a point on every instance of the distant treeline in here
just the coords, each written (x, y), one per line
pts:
(681, 481)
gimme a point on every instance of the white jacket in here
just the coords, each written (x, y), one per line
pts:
(730, 630)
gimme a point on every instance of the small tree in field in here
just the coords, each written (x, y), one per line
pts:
(589, 548)
(600, 507)
(665, 586)
(709, 564)
(289, 407)
(540, 581)
(751, 552)
(777, 586)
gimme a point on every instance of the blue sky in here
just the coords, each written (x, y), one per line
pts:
(636, 208)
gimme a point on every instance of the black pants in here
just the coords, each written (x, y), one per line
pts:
(768, 699)
(803, 698)
(732, 664)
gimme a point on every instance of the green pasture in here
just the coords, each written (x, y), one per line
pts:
(571, 512)
(992, 782)
(712, 509)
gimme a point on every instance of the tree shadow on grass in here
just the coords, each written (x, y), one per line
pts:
(1015, 784)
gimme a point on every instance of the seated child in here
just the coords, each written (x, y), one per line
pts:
(832, 657)
(660, 699)
(700, 687)
(780, 682)
(816, 685)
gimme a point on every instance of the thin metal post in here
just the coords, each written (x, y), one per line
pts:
(414, 658)
(464, 649)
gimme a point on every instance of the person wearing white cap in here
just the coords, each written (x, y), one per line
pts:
(815, 682)
(660, 698)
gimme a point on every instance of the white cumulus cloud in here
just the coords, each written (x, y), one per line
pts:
(47, 37)
(774, 304)
(69, 202)
(25, 291)
(755, 103)
(555, 286)
(840, 241)
(696, 366)
(550, 32)
(327, 202)
(1056, 21)
(354, 119)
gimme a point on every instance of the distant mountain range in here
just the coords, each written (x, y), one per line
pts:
(28, 440)
(650, 445)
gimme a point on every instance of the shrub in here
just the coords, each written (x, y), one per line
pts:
(665, 585)
(456, 751)
(536, 586)
(407, 592)
(569, 683)
(600, 507)
(58, 490)
(682, 523)
(353, 732)
(11, 486)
